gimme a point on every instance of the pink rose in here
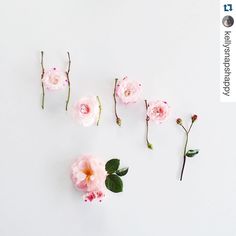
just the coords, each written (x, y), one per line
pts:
(158, 111)
(88, 174)
(87, 111)
(128, 91)
(54, 79)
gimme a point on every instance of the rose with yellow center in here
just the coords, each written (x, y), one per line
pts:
(88, 174)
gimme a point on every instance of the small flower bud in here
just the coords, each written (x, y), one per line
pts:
(194, 117)
(118, 121)
(179, 121)
(149, 145)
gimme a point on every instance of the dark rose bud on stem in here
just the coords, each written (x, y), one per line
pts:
(194, 117)
(179, 121)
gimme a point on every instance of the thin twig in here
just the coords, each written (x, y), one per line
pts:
(68, 80)
(190, 127)
(185, 148)
(186, 131)
(100, 110)
(42, 75)
(149, 145)
(184, 156)
(118, 120)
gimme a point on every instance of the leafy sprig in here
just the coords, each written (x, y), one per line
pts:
(191, 152)
(113, 180)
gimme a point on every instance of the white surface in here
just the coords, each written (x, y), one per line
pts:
(172, 48)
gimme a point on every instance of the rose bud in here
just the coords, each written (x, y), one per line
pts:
(118, 121)
(179, 121)
(194, 117)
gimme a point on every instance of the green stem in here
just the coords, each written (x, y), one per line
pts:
(190, 127)
(68, 95)
(118, 120)
(42, 75)
(43, 96)
(100, 110)
(186, 131)
(185, 148)
(68, 80)
(184, 156)
(149, 145)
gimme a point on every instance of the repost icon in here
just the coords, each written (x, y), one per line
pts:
(228, 7)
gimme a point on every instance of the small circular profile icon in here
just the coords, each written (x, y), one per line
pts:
(228, 21)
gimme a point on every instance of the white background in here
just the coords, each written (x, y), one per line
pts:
(172, 48)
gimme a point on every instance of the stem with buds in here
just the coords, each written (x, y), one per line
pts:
(187, 131)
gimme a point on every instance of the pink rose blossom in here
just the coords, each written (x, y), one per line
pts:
(128, 91)
(86, 111)
(88, 174)
(54, 79)
(158, 111)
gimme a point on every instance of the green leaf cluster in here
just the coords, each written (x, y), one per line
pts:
(113, 180)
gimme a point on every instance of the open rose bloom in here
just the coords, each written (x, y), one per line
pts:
(55, 79)
(88, 174)
(86, 111)
(128, 91)
(158, 111)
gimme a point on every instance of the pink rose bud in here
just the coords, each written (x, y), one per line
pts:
(194, 117)
(179, 121)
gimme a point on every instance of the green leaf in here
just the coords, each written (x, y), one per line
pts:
(122, 172)
(192, 153)
(112, 166)
(114, 183)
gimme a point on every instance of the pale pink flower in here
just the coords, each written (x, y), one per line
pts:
(88, 174)
(158, 111)
(86, 111)
(55, 79)
(128, 91)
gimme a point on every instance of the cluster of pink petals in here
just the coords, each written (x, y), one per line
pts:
(54, 79)
(158, 111)
(128, 91)
(88, 174)
(90, 196)
(86, 111)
